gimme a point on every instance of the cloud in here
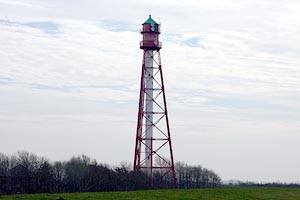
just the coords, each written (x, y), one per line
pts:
(119, 26)
(16, 3)
(231, 72)
(43, 25)
(192, 42)
(85, 55)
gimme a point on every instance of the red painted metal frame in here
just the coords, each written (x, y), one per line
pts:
(167, 165)
(137, 157)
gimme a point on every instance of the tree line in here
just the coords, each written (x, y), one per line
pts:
(26, 172)
(238, 183)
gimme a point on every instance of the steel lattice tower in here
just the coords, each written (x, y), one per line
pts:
(153, 148)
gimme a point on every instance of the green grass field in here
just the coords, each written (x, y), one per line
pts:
(234, 193)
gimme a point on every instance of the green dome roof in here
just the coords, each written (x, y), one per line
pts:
(150, 21)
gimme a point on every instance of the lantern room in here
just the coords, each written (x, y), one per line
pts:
(150, 31)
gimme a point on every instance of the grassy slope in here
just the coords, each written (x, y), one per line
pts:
(198, 194)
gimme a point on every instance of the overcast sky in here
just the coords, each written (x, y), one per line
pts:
(70, 72)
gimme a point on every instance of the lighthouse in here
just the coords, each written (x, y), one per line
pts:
(153, 147)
